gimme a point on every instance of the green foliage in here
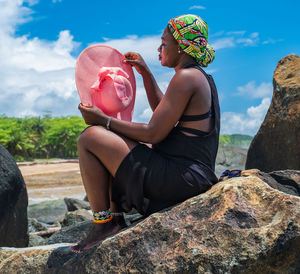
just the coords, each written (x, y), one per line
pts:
(224, 139)
(36, 137)
(235, 139)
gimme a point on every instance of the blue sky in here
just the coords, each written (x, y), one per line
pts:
(41, 39)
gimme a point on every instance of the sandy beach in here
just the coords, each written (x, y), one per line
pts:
(52, 180)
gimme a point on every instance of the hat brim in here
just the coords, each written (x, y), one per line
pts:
(88, 64)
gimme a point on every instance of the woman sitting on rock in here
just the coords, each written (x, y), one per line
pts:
(183, 131)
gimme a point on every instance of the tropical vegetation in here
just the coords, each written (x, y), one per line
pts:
(56, 137)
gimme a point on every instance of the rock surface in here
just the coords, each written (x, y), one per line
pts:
(276, 145)
(48, 212)
(76, 204)
(230, 157)
(13, 203)
(77, 216)
(241, 225)
(71, 234)
(287, 181)
(25, 260)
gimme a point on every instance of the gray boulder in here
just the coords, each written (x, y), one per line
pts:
(77, 216)
(13, 203)
(34, 225)
(35, 240)
(75, 204)
(71, 234)
(49, 212)
(230, 157)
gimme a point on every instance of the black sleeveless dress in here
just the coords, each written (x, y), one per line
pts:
(177, 168)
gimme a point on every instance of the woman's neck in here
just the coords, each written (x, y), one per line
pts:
(185, 60)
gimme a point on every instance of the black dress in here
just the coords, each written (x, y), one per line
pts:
(177, 168)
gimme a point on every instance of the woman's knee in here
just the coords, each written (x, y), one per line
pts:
(88, 134)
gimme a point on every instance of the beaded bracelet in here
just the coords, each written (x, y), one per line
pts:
(102, 216)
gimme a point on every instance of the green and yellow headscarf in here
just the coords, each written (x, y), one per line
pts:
(191, 33)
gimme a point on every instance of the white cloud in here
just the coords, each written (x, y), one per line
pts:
(148, 45)
(260, 91)
(239, 32)
(249, 123)
(271, 41)
(223, 43)
(197, 7)
(254, 35)
(233, 39)
(36, 75)
(56, 1)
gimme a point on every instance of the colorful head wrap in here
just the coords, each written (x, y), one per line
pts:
(191, 32)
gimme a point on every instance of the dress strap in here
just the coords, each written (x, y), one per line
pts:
(192, 130)
(189, 118)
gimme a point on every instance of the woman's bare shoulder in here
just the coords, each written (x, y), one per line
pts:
(191, 79)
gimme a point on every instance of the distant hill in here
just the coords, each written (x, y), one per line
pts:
(235, 139)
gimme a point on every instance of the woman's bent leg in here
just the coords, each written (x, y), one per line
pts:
(100, 154)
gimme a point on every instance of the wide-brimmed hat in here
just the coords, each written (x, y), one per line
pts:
(103, 80)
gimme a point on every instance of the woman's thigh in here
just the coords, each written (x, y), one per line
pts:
(109, 147)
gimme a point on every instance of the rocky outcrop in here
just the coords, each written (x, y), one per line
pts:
(25, 260)
(13, 203)
(71, 234)
(230, 157)
(241, 225)
(77, 216)
(48, 212)
(276, 145)
(287, 181)
(76, 204)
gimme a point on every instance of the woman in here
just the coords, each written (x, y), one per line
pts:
(183, 131)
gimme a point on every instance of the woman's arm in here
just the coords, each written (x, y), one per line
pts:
(181, 89)
(154, 93)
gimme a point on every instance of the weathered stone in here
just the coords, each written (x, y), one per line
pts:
(13, 203)
(75, 204)
(35, 240)
(276, 145)
(132, 218)
(287, 181)
(241, 225)
(230, 157)
(26, 260)
(238, 226)
(48, 212)
(77, 216)
(71, 234)
(34, 225)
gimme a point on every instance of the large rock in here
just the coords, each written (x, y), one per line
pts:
(287, 181)
(48, 212)
(241, 225)
(230, 157)
(76, 204)
(13, 203)
(276, 145)
(77, 216)
(73, 233)
(25, 260)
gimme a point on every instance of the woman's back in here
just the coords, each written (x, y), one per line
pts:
(187, 143)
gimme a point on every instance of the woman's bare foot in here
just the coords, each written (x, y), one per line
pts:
(98, 233)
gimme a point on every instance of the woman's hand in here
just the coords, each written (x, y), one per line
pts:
(92, 115)
(136, 60)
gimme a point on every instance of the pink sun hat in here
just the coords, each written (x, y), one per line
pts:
(103, 80)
